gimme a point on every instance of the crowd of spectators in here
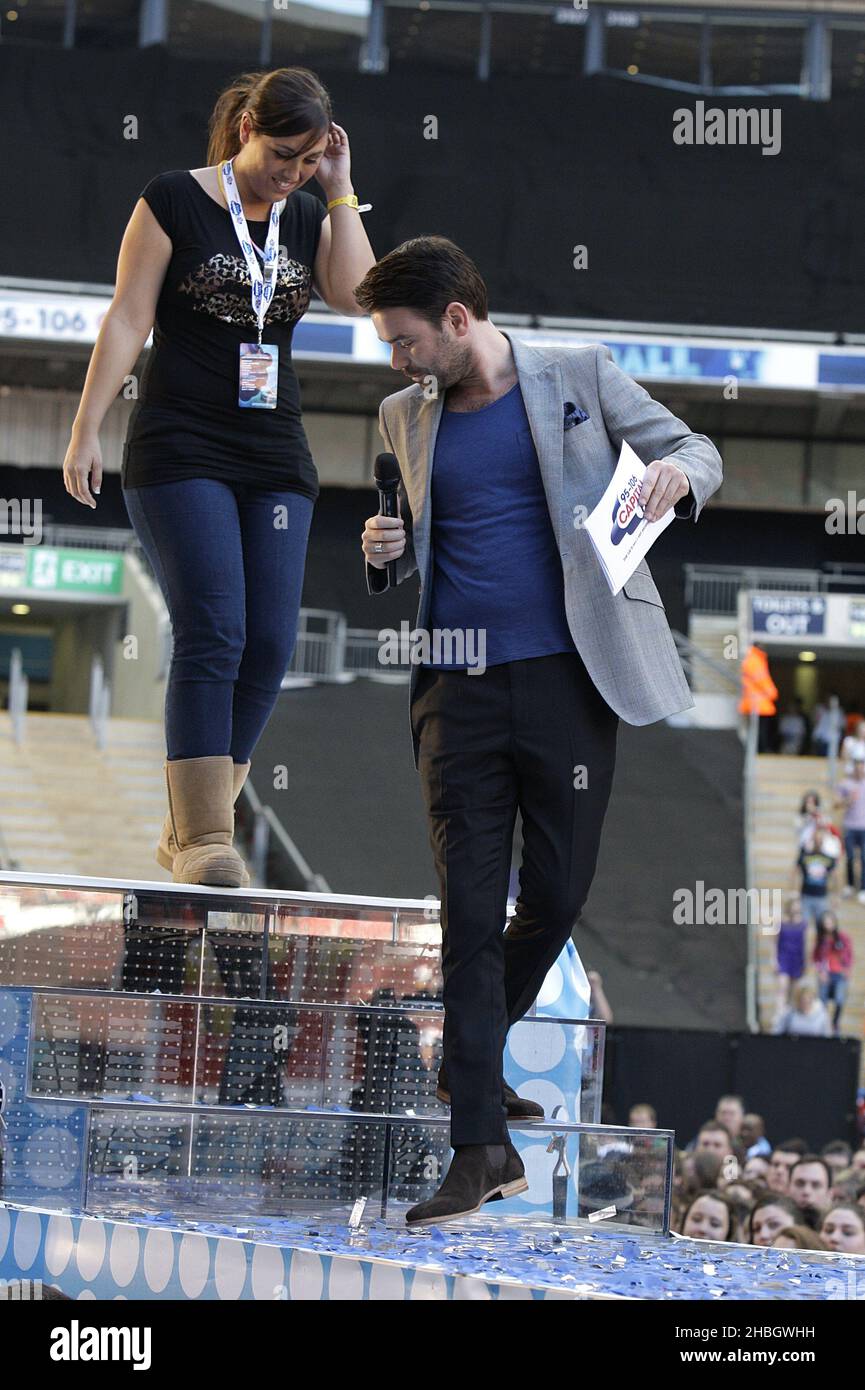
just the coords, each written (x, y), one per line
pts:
(827, 729)
(813, 971)
(732, 1184)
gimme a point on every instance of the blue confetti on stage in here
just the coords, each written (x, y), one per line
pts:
(540, 1254)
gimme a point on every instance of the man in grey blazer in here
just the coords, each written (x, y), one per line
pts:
(504, 449)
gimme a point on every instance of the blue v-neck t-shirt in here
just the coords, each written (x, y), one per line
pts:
(496, 565)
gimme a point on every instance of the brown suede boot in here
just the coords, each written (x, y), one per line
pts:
(478, 1173)
(167, 847)
(202, 820)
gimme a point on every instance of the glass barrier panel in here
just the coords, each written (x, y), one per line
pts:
(247, 1165)
(183, 1050)
(93, 1048)
(351, 958)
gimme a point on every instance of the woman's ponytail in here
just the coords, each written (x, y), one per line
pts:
(223, 127)
(286, 101)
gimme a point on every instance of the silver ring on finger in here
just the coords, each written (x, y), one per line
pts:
(378, 547)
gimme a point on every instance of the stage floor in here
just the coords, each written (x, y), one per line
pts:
(318, 1255)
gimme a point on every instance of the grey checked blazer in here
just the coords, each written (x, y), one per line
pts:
(624, 641)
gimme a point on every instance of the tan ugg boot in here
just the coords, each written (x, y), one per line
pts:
(202, 821)
(167, 847)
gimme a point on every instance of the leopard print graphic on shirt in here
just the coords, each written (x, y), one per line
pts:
(222, 287)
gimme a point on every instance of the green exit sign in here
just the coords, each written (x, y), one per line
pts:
(74, 571)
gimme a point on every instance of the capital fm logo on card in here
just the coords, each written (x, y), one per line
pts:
(617, 527)
(627, 512)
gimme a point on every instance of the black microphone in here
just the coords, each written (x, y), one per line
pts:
(387, 477)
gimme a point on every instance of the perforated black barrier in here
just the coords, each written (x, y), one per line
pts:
(523, 171)
(803, 1087)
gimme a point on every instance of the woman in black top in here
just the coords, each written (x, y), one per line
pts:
(217, 474)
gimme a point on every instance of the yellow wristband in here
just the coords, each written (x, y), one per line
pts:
(350, 199)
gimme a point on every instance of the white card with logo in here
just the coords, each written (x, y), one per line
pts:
(617, 527)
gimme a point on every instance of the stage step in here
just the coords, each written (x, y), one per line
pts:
(191, 1048)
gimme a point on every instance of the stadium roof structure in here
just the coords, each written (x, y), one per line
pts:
(808, 48)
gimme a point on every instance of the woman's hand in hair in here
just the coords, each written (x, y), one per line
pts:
(334, 167)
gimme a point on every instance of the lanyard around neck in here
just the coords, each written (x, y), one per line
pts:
(262, 284)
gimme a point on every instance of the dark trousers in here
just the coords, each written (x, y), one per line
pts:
(854, 843)
(534, 735)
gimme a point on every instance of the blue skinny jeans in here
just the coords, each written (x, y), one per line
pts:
(229, 559)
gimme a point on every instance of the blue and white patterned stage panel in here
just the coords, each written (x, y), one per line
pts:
(318, 1259)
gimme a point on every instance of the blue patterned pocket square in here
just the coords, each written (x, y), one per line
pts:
(573, 415)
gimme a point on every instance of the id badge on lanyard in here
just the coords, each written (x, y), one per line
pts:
(258, 363)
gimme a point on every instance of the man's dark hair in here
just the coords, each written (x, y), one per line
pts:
(425, 274)
(809, 1159)
(837, 1146)
(791, 1146)
(712, 1125)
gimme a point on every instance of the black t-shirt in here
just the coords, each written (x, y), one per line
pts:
(815, 866)
(187, 422)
